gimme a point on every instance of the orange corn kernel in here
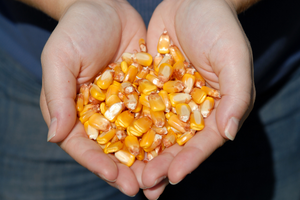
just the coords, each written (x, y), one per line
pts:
(112, 99)
(169, 139)
(131, 74)
(173, 86)
(193, 106)
(198, 95)
(146, 112)
(142, 45)
(132, 144)
(93, 101)
(79, 102)
(114, 147)
(207, 106)
(127, 57)
(146, 87)
(99, 122)
(105, 137)
(141, 155)
(125, 157)
(133, 131)
(196, 122)
(138, 107)
(131, 101)
(125, 119)
(183, 111)
(105, 80)
(156, 102)
(156, 142)
(158, 118)
(157, 59)
(185, 137)
(188, 81)
(178, 70)
(113, 111)
(142, 125)
(105, 147)
(103, 108)
(86, 115)
(165, 72)
(124, 67)
(142, 58)
(97, 93)
(169, 114)
(86, 108)
(160, 130)
(84, 89)
(91, 131)
(147, 139)
(176, 123)
(176, 53)
(141, 75)
(163, 43)
(176, 98)
(164, 96)
(144, 99)
(119, 75)
(211, 92)
(155, 80)
(112, 90)
(199, 81)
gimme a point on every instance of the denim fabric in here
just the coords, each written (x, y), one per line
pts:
(31, 168)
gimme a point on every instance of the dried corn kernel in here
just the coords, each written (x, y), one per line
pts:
(163, 43)
(156, 102)
(125, 157)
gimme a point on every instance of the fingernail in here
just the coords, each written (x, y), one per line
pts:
(52, 129)
(105, 179)
(174, 183)
(232, 128)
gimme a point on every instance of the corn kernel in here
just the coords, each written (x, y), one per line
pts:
(176, 123)
(176, 98)
(185, 137)
(131, 74)
(113, 111)
(197, 122)
(105, 80)
(188, 81)
(132, 144)
(166, 59)
(141, 75)
(112, 99)
(155, 80)
(131, 101)
(173, 86)
(91, 131)
(199, 81)
(79, 102)
(176, 53)
(158, 118)
(142, 125)
(97, 93)
(143, 58)
(179, 70)
(165, 72)
(160, 130)
(141, 155)
(157, 59)
(156, 102)
(169, 139)
(124, 67)
(207, 106)
(147, 139)
(211, 92)
(85, 91)
(127, 57)
(125, 157)
(99, 122)
(183, 111)
(142, 45)
(146, 87)
(198, 95)
(125, 119)
(164, 96)
(105, 137)
(163, 43)
(155, 143)
(144, 99)
(114, 147)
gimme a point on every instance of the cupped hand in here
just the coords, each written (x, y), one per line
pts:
(211, 37)
(89, 35)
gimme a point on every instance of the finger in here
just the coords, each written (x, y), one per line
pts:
(138, 168)
(155, 192)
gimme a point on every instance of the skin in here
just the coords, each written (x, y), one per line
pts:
(92, 33)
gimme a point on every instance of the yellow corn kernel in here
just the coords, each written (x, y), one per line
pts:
(165, 72)
(113, 111)
(105, 80)
(158, 118)
(125, 119)
(127, 57)
(144, 99)
(197, 122)
(166, 59)
(176, 53)
(120, 134)
(156, 102)
(126, 88)
(79, 102)
(112, 99)
(155, 80)
(211, 92)
(160, 130)
(188, 81)
(93, 101)
(125, 157)
(169, 114)
(183, 111)
(84, 89)
(142, 58)
(97, 93)
(157, 59)
(176, 98)
(146, 112)
(169, 139)
(193, 106)
(198, 95)
(176, 123)
(124, 67)
(185, 137)
(207, 106)
(142, 45)
(163, 43)
(131, 73)
(151, 154)
(105, 137)
(103, 108)
(133, 131)
(173, 86)
(142, 125)
(99, 122)
(199, 81)
(114, 139)
(86, 108)
(132, 144)
(156, 142)
(116, 83)
(141, 75)
(131, 101)
(91, 131)
(118, 74)
(114, 147)
(86, 115)
(178, 70)
(147, 139)
(138, 107)
(141, 155)
(105, 147)
(164, 96)
(146, 87)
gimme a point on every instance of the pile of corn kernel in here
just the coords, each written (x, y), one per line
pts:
(140, 106)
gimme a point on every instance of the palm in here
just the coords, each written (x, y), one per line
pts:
(209, 34)
(87, 38)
